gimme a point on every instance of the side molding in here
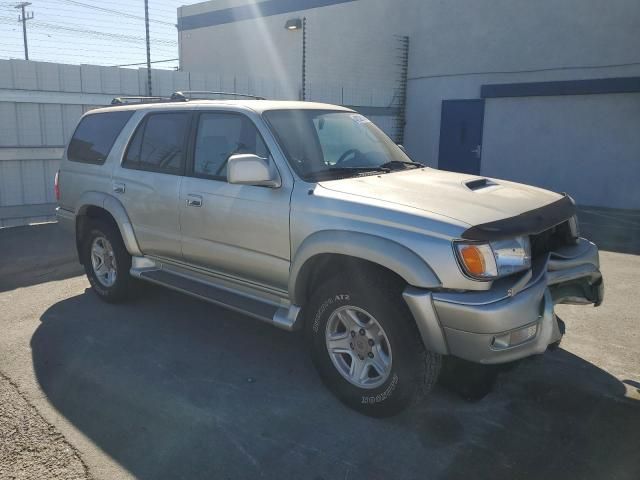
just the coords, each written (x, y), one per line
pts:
(117, 211)
(387, 253)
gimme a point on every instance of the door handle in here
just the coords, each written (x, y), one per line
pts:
(477, 151)
(194, 200)
(118, 187)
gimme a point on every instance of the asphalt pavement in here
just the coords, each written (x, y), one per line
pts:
(169, 387)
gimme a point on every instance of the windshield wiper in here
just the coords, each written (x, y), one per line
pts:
(349, 170)
(395, 163)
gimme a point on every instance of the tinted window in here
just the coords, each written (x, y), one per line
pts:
(221, 135)
(95, 135)
(159, 144)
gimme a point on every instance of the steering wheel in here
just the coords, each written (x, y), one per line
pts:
(352, 151)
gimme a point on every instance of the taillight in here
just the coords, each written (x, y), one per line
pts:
(56, 185)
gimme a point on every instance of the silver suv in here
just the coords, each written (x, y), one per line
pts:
(308, 216)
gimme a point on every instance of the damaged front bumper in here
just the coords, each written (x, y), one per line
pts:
(515, 318)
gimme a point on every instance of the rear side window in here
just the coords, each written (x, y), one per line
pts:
(95, 135)
(159, 144)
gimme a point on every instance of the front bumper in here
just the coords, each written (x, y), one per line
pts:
(474, 325)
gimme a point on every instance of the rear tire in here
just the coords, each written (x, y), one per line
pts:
(106, 261)
(399, 372)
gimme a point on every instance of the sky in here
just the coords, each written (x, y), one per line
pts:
(98, 32)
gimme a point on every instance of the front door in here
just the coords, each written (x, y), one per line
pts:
(236, 230)
(461, 136)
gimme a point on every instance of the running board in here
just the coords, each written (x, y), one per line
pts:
(284, 317)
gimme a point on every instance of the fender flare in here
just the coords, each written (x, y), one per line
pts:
(117, 211)
(382, 251)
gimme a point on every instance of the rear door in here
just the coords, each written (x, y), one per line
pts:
(148, 181)
(237, 230)
(461, 136)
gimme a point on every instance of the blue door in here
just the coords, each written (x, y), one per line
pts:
(461, 136)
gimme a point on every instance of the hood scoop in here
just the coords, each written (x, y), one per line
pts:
(479, 184)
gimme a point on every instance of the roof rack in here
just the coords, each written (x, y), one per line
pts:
(182, 96)
(139, 99)
(186, 95)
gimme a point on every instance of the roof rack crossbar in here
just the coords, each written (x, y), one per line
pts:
(187, 94)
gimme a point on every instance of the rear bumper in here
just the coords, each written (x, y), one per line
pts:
(515, 318)
(66, 219)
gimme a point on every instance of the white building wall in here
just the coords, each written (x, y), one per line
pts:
(459, 45)
(350, 45)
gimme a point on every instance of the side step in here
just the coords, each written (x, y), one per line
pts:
(280, 316)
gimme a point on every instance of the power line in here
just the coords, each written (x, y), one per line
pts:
(117, 12)
(95, 32)
(144, 63)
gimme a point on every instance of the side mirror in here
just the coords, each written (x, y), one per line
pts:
(249, 169)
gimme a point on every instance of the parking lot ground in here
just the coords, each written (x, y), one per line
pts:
(171, 387)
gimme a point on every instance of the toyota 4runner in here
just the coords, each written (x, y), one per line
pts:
(308, 216)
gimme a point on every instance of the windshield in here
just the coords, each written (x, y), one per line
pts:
(322, 144)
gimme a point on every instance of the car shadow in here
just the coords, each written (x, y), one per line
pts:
(171, 387)
(36, 254)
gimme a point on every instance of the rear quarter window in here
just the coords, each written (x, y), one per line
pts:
(95, 135)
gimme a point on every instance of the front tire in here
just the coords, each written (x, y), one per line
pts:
(106, 261)
(367, 348)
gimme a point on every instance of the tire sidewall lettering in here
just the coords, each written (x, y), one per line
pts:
(381, 397)
(341, 297)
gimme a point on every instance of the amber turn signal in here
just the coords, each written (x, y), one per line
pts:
(473, 260)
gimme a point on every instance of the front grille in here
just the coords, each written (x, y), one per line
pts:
(551, 239)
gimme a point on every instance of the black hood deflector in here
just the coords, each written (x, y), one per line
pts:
(528, 223)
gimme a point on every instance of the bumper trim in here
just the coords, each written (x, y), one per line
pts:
(420, 303)
(478, 347)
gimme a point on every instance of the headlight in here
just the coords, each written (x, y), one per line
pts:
(486, 261)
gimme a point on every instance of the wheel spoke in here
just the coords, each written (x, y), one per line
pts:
(348, 318)
(340, 342)
(359, 369)
(378, 364)
(373, 328)
(96, 261)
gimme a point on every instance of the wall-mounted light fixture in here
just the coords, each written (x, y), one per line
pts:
(293, 25)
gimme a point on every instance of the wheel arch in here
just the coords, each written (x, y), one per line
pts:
(100, 205)
(338, 247)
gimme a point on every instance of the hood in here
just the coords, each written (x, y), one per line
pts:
(466, 198)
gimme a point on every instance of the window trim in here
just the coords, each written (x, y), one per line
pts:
(84, 117)
(142, 126)
(191, 161)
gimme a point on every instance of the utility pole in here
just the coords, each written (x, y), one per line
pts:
(23, 18)
(146, 27)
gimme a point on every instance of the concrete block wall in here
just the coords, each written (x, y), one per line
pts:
(40, 105)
